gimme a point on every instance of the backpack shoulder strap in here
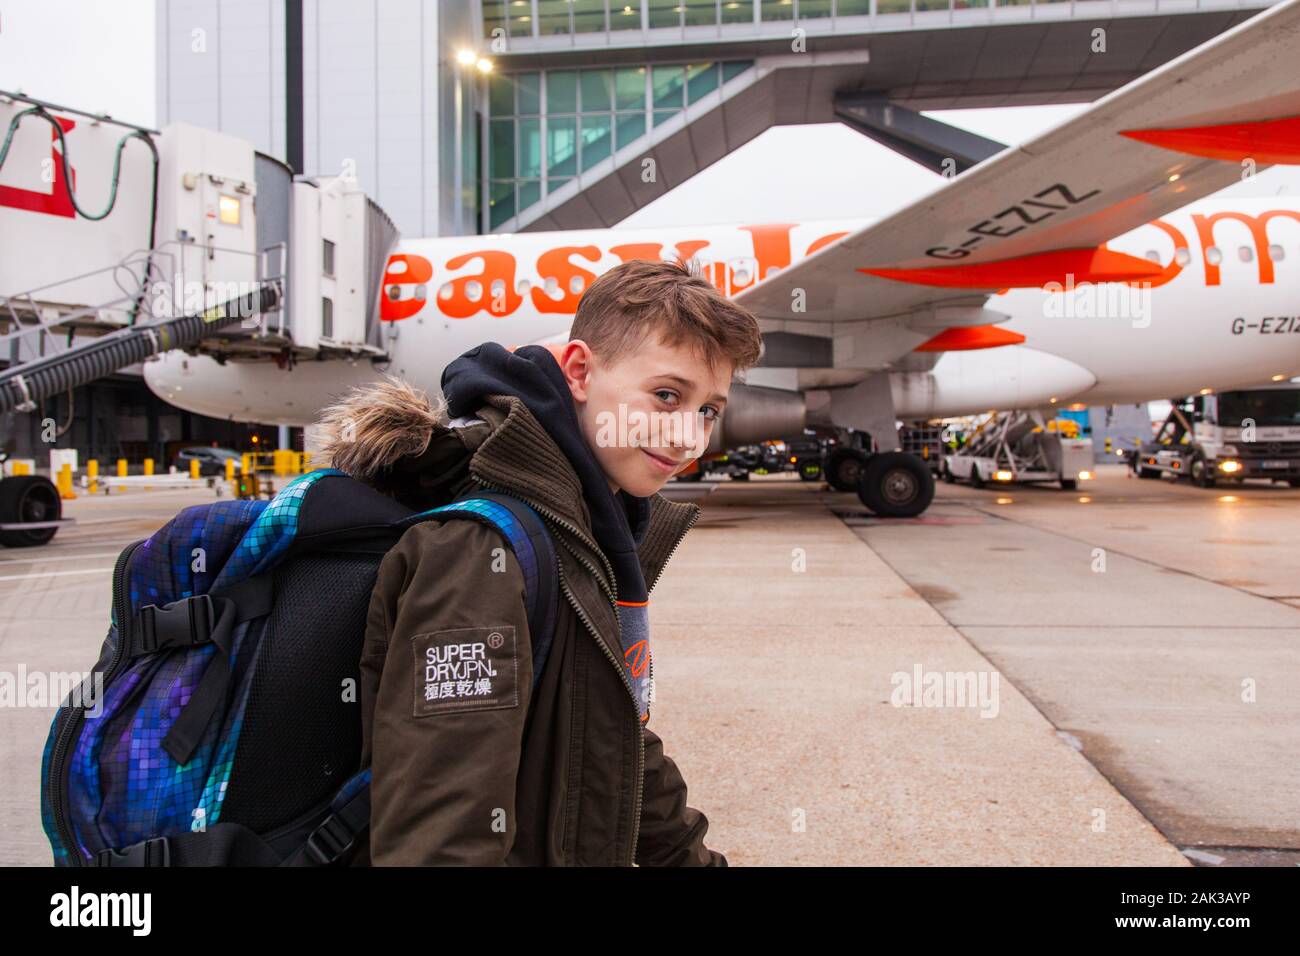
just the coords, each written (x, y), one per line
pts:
(531, 543)
(526, 533)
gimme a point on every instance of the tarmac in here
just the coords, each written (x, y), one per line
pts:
(1102, 677)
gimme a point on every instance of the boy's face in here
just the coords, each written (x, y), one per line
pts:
(646, 415)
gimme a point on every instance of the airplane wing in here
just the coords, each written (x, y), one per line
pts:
(1035, 212)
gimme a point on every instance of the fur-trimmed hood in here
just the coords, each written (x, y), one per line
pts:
(391, 436)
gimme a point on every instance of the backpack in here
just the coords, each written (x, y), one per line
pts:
(222, 735)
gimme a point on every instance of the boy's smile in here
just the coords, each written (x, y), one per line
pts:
(646, 415)
(668, 465)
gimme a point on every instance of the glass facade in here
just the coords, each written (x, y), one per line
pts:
(545, 127)
(543, 18)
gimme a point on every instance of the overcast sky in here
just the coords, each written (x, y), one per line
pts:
(98, 55)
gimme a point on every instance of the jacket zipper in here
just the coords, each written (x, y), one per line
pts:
(577, 532)
(695, 516)
(76, 717)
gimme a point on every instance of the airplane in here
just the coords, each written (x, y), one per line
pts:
(1085, 265)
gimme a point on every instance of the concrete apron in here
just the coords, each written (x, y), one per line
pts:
(780, 640)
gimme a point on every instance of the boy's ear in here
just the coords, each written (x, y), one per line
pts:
(574, 358)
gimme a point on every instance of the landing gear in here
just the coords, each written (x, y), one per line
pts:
(890, 482)
(28, 499)
(844, 467)
(1069, 484)
(896, 484)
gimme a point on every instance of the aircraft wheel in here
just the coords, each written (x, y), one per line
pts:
(896, 485)
(1069, 484)
(28, 498)
(976, 479)
(844, 468)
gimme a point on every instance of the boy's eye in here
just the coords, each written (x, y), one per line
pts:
(666, 392)
(710, 413)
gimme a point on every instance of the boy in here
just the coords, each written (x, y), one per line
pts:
(566, 772)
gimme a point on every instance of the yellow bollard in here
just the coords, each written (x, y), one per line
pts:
(245, 463)
(230, 470)
(148, 466)
(121, 468)
(92, 476)
(194, 468)
(64, 483)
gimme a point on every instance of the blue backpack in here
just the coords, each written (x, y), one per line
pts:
(223, 734)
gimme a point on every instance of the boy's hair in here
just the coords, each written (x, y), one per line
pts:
(640, 297)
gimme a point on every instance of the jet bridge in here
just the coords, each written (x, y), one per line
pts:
(118, 242)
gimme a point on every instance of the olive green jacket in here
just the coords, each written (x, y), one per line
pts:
(564, 773)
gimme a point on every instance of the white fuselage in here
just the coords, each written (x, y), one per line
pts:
(1226, 313)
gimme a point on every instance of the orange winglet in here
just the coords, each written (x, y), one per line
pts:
(1265, 141)
(1065, 266)
(965, 338)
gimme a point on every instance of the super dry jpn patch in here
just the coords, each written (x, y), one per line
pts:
(469, 668)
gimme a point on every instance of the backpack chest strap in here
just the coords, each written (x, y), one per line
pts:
(192, 621)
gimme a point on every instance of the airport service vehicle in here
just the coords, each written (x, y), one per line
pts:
(1022, 448)
(806, 456)
(1086, 265)
(733, 463)
(31, 511)
(1233, 435)
(925, 441)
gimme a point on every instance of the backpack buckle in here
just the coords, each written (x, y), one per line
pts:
(152, 852)
(330, 841)
(182, 623)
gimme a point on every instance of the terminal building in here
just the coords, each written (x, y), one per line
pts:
(473, 116)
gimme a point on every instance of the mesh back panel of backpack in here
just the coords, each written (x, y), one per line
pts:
(301, 739)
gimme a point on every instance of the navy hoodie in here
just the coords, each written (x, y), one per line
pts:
(619, 523)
